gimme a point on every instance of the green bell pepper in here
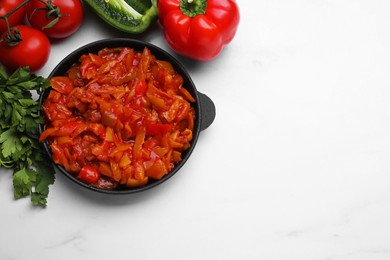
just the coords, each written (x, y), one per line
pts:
(132, 16)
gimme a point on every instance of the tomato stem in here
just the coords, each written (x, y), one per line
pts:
(12, 36)
(5, 17)
(53, 11)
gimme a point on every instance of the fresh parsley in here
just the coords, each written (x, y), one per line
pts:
(20, 150)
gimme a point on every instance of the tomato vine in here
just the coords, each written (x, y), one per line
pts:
(12, 36)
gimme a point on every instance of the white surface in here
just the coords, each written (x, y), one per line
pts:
(295, 166)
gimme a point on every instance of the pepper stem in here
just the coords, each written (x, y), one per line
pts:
(193, 8)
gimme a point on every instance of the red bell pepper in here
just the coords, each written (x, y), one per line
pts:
(199, 29)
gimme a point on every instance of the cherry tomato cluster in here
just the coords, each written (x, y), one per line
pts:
(27, 25)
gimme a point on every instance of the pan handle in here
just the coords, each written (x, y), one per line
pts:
(207, 112)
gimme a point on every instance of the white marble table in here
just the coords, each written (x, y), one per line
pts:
(296, 165)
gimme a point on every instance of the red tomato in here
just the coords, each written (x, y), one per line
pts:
(32, 51)
(70, 17)
(14, 19)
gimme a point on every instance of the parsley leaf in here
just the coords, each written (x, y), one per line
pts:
(10, 143)
(45, 178)
(20, 116)
(23, 181)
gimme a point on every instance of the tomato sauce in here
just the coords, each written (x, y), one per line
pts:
(118, 118)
